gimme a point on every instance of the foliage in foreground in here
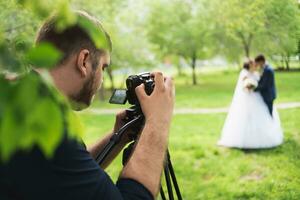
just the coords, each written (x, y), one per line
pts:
(36, 121)
(32, 112)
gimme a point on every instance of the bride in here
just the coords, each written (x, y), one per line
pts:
(249, 124)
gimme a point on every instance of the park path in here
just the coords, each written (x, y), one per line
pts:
(182, 111)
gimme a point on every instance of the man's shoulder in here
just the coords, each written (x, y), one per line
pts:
(268, 70)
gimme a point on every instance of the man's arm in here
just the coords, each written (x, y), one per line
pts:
(96, 148)
(146, 162)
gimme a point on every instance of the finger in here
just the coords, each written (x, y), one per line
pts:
(140, 92)
(159, 80)
(169, 82)
(120, 116)
(170, 85)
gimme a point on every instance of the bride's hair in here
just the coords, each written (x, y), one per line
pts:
(247, 64)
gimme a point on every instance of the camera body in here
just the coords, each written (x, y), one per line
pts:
(133, 81)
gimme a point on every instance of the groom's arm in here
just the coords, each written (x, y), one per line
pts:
(265, 82)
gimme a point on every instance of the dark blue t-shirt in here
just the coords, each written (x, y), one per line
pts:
(71, 174)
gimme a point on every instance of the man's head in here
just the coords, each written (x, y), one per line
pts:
(260, 60)
(79, 73)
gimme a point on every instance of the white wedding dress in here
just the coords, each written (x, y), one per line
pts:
(249, 124)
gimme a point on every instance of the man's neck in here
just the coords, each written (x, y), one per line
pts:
(62, 81)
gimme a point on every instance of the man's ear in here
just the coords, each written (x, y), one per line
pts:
(82, 62)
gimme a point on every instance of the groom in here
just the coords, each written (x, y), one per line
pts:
(266, 84)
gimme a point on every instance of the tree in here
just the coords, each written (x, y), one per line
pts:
(283, 29)
(183, 29)
(299, 38)
(242, 21)
(270, 26)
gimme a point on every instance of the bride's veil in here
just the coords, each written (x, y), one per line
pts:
(239, 86)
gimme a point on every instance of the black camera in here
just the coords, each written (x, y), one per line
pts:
(134, 122)
(120, 96)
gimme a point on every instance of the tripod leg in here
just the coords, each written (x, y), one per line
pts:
(168, 183)
(162, 194)
(174, 180)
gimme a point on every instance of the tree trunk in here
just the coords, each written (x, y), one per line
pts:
(179, 70)
(247, 50)
(247, 46)
(299, 46)
(111, 78)
(193, 65)
(123, 83)
(287, 62)
(246, 42)
(282, 61)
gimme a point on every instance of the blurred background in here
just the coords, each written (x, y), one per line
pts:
(202, 44)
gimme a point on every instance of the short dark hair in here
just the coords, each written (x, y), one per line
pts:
(72, 39)
(260, 58)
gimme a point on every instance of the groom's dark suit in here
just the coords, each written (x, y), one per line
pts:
(266, 86)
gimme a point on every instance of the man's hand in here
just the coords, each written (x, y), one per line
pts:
(118, 124)
(120, 116)
(146, 162)
(99, 145)
(158, 107)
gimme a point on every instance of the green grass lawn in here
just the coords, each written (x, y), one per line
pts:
(216, 89)
(206, 171)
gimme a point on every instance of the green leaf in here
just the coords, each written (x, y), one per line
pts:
(41, 8)
(31, 115)
(44, 55)
(8, 133)
(75, 127)
(96, 32)
(45, 124)
(65, 17)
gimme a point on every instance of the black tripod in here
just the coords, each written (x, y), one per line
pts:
(135, 121)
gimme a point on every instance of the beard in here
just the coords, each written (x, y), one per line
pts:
(85, 96)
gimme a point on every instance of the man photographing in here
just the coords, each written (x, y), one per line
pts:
(72, 172)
